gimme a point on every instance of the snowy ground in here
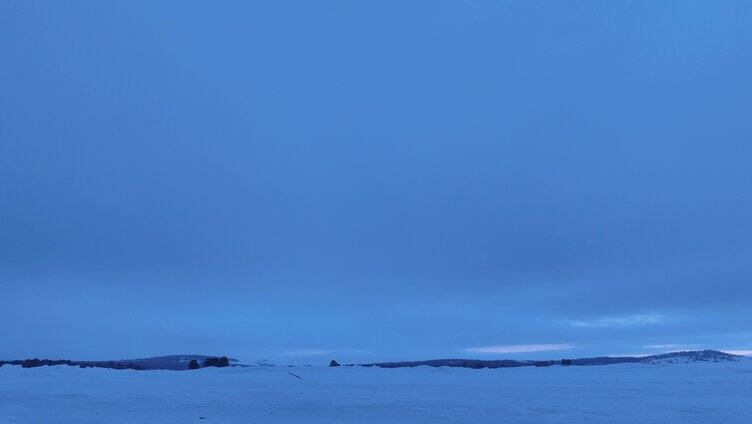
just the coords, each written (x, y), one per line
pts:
(689, 393)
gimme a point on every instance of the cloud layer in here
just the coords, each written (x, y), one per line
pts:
(492, 174)
(520, 348)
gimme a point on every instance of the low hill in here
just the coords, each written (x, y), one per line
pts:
(665, 358)
(172, 362)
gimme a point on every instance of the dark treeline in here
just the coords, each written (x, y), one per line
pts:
(33, 363)
(705, 355)
(219, 362)
(160, 363)
(460, 363)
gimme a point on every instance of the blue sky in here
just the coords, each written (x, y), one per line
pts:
(374, 180)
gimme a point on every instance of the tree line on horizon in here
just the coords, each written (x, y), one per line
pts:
(219, 362)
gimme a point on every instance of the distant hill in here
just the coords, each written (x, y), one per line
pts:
(172, 362)
(459, 363)
(665, 358)
(691, 356)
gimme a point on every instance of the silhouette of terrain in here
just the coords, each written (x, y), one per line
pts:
(665, 358)
(171, 362)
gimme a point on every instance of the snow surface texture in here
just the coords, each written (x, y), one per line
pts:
(626, 393)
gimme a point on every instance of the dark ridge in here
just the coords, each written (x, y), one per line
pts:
(461, 363)
(173, 362)
(181, 362)
(219, 362)
(673, 357)
(608, 360)
(695, 356)
(34, 363)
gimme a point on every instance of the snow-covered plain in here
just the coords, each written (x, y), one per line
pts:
(628, 393)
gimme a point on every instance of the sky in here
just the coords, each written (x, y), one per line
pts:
(369, 181)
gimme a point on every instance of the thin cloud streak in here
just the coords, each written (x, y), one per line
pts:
(627, 355)
(520, 348)
(306, 352)
(620, 321)
(739, 352)
(318, 352)
(670, 347)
